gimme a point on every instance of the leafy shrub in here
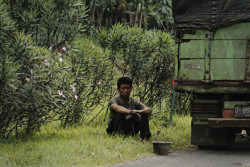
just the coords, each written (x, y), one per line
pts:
(26, 94)
(51, 23)
(35, 82)
(146, 56)
(91, 78)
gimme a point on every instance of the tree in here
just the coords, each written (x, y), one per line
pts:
(141, 13)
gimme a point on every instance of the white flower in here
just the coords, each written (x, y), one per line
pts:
(99, 83)
(76, 97)
(58, 53)
(90, 59)
(93, 46)
(50, 48)
(72, 88)
(27, 79)
(60, 93)
(64, 49)
(60, 59)
(46, 63)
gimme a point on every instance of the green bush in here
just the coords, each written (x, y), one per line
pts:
(26, 94)
(146, 56)
(51, 23)
(91, 77)
(39, 85)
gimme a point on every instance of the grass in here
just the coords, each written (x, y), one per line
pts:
(89, 145)
(179, 132)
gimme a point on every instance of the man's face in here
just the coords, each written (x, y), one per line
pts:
(125, 90)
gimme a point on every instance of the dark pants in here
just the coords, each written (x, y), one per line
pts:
(131, 126)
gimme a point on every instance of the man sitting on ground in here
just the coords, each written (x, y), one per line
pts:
(128, 116)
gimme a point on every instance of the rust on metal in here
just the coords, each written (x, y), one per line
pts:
(229, 122)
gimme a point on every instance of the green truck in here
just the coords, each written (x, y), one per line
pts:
(213, 63)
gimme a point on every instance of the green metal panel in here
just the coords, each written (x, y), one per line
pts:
(225, 57)
(176, 70)
(200, 87)
(227, 69)
(192, 69)
(247, 74)
(194, 45)
(229, 49)
(197, 34)
(236, 31)
(193, 49)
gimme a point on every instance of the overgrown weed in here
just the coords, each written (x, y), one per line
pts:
(89, 145)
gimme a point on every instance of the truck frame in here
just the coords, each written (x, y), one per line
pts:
(213, 63)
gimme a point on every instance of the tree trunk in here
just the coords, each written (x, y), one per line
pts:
(130, 19)
(145, 23)
(140, 20)
(99, 17)
(93, 12)
(136, 12)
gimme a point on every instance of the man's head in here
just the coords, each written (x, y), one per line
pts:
(124, 86)
(124, 80)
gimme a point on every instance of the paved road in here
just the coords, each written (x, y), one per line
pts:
(237, 156)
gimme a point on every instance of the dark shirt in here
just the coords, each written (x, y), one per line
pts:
(133, 104)
(126, 123)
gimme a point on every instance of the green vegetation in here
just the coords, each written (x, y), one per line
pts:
(146, 56)
(89, 145)
(36, 63)
(141, 13)
(53, 77)
(54, 80)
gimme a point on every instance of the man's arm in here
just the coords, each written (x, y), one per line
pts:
(146, 111)
(124, 110)
(120, 109)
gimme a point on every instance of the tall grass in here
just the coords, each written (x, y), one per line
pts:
(179, 132)
(89, 145)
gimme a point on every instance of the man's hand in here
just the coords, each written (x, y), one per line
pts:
(146, 111)
(133, 112)
(137, 113)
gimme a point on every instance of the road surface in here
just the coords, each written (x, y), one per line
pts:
(236, 156)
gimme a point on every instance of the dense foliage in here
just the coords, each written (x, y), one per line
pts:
(48, 73)
(147, 14)
(27, 96)
(45, 78)
(146, 56)
(51, 23)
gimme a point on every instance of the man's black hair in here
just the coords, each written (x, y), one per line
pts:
(124, 80)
